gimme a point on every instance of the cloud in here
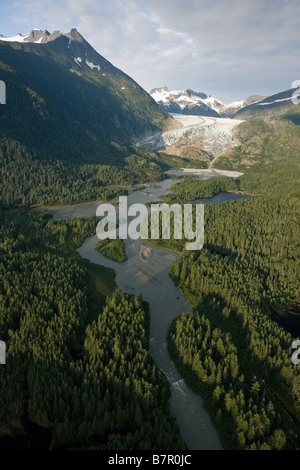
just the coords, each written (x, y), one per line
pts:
(229, 48)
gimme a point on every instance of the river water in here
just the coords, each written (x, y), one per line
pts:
(146, 273)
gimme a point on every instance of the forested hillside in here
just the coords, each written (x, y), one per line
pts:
(273, 106)
(79, 371)
(26, 180)
(231, 350)
(69, 124)
(190, 188)
(65, 100)
(263, 143)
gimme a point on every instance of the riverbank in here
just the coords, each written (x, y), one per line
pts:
(146, 272)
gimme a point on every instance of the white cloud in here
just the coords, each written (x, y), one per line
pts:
(232, 48)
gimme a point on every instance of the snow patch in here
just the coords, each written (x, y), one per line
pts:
(213, 103)
(78, 61)
(275, 101)
(22, 38)
(91, 65)
(165, 97)
(17, 38)
(236, 104)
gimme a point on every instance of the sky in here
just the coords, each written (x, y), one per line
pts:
(229, 49)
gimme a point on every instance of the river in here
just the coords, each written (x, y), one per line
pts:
(146, 272)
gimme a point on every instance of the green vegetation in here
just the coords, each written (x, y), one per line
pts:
(66, 131)
(172, 245)
(230, 350)
(70, 112)
(293, 115)
(79, 371)
(27, 180)
(244, 400)
(139, 187)
(260, 149)
(190, 188)
(273, 111)
(113, 249)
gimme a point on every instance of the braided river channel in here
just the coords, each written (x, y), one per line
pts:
(146, 272)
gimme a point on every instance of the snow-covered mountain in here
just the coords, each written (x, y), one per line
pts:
(64, 91)
(183, 102)
(197, 103)
(40, 36)
(36, 35)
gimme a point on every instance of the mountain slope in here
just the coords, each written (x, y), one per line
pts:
(268, 108)
(260, 140)
(65, 100)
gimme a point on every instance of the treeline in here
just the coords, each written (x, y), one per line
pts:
(259, 150)
(216, 363)
(190, 188)
(231, 350)
(78, 364)
(27, 179)
(113, 249)
(43, 183)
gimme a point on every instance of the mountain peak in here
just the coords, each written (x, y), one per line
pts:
(200, 94)
(197, 103)
(74, 81)
(40, 36)
(74, 34)
(37, 35)
(160, 90)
